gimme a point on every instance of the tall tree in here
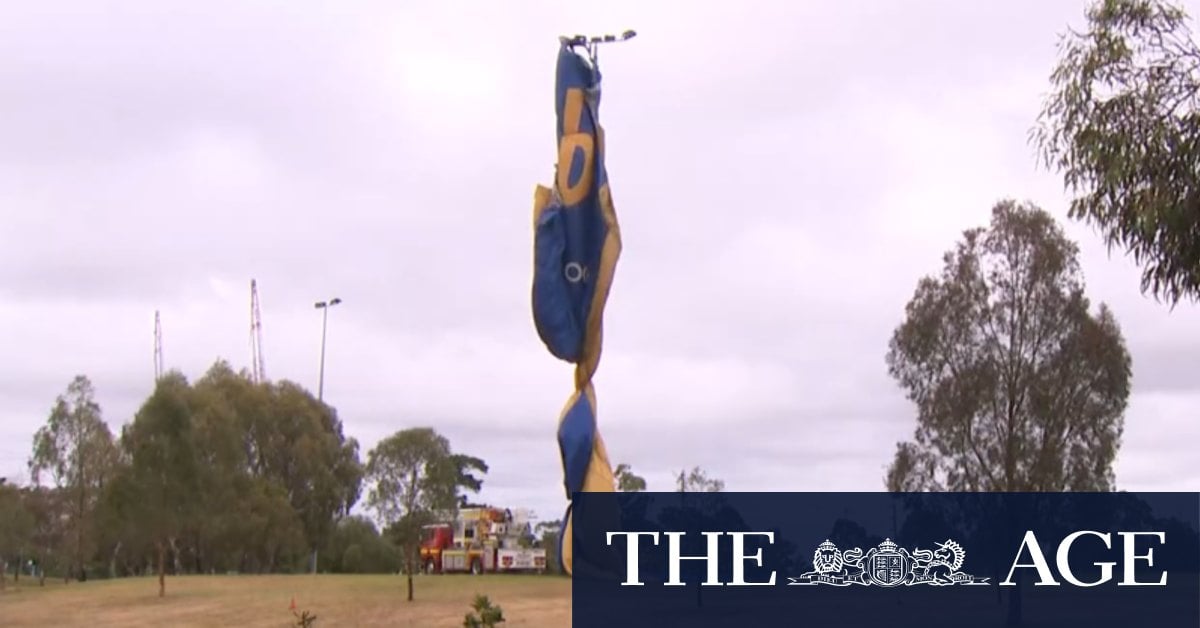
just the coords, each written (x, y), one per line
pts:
(75, 447)
(1122, 125)
(303, 447)
(414, 476)
(162, 481)
(696, 511)
(627, 480)
(697, 481)
(1018, 386)
(273, 473)
(218, 535)
(251, 483)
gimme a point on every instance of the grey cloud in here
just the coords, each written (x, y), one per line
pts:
(783, 174)
(1166, 369)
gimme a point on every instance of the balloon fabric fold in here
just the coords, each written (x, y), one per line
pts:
(576, 246)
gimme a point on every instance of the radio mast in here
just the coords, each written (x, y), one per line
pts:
(158, 347)
(258, 369)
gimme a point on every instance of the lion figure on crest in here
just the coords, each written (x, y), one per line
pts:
(828, 561)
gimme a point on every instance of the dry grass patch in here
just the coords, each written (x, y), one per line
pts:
(262, 601)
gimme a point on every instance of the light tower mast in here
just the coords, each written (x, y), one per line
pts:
(158, 347)
(258, 367)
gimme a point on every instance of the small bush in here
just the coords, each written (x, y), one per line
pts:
(485, 615)
(304, 619)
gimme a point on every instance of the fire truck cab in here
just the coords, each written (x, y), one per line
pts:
(482, 540)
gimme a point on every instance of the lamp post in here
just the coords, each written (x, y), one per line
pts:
(324, 307)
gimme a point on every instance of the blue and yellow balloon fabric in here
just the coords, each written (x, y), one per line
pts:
(576, 246)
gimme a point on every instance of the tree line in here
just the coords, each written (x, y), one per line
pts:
(216, 476)
(227, 475)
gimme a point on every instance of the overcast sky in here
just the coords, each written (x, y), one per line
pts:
(783, 172)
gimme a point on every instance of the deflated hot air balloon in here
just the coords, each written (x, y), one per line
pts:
(576, 246)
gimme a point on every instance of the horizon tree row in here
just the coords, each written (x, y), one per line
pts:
(216, 476)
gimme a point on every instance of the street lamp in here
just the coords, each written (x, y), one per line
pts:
(324, 307)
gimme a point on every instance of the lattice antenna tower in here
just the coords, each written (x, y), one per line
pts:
(258, 366)
(158, 347)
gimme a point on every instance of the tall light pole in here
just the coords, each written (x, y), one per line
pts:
(324, 307)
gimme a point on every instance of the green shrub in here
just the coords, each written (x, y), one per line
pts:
(485, 615)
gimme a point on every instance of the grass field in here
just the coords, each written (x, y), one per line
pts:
(262, 601)
(441, 601)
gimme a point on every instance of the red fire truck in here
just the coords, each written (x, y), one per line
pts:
(481, 540)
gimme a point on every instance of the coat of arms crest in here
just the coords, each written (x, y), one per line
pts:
(888, 565)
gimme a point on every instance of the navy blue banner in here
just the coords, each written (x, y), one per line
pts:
(886, 559)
